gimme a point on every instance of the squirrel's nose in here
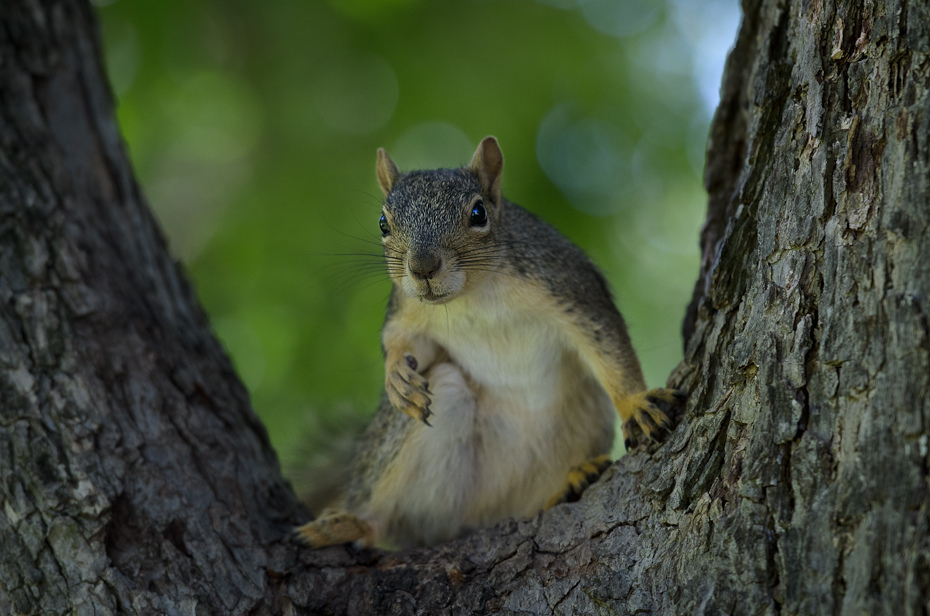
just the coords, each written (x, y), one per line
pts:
(424, 267)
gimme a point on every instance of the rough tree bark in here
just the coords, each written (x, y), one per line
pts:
(136, 478)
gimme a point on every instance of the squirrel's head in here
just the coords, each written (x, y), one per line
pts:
(439, 227)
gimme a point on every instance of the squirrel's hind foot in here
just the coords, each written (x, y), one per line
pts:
(579, 478)
(334, 528)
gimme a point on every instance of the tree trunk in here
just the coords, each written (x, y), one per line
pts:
(136, 478)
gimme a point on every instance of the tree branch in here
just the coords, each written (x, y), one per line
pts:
(136, 478)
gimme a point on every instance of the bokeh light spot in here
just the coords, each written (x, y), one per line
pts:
(435, 144)
(356, 94)
(587, 158)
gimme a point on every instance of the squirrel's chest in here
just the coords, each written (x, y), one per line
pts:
(506, 338)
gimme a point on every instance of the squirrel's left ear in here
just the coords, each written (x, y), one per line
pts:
(387, 172)
(488, 163)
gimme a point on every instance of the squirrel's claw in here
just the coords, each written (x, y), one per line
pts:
(418, 413)
(643, 416)
(408, 391)
(333, 528)
(579, 478)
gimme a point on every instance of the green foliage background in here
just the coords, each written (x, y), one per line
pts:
(253, 128)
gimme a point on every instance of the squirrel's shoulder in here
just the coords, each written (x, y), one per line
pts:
(538, 250)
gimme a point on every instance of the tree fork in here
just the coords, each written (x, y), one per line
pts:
(137, 479)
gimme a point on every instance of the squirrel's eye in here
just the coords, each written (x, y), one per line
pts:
(479, 216)
(385, 227)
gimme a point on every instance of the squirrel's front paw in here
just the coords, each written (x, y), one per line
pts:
(641, 414)
(408, 390)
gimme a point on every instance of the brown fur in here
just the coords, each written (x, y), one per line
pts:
(506, 355)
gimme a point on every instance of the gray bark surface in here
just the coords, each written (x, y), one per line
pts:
(135, 478)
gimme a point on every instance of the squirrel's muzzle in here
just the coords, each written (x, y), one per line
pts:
(432, 277)
(424, 266)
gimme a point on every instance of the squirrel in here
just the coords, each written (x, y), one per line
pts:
(505, 362)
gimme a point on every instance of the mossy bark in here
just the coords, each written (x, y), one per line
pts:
(136, 478)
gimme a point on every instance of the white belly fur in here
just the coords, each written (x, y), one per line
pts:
(513, 410)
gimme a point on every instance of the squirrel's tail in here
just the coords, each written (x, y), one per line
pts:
(320, 469)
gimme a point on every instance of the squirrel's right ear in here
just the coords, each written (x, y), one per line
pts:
(387, 172)
(488, 163)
